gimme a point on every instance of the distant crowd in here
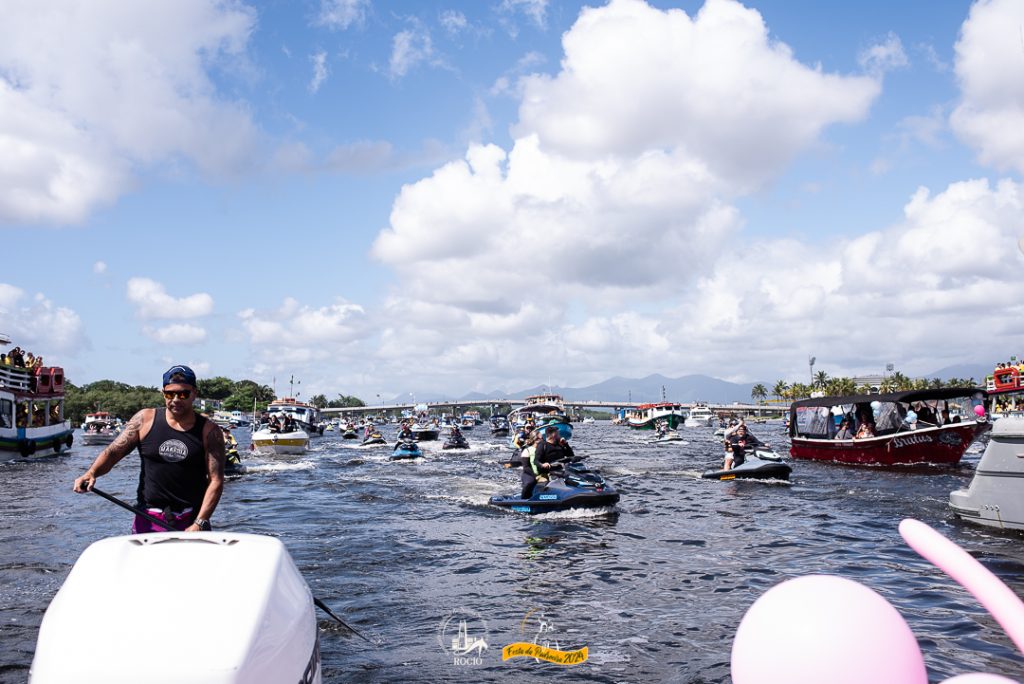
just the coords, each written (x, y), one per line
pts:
(18, 358)
(1019, 365)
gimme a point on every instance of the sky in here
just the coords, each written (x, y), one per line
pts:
(384, 198)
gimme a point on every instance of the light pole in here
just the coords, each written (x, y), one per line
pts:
(810, 362)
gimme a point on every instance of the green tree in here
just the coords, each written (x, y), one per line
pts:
(759, 392)
(780, 389)
(344, 401)
(216, 388)
(820, 380)
(246, 393)
(320, 401)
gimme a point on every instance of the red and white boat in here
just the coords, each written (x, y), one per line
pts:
(1006, 389)
(945, 427)
(32, 421)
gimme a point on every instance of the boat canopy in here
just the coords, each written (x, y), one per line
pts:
(905, 397)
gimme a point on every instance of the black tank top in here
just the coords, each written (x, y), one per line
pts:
(174, 472)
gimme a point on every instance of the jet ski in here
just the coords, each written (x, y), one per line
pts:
(761, 464)
(455, 442)
(576, 486)
(499, 426)
(233, 463)
(374, 438)
(406, 450)
(350, 433)
(669, 436)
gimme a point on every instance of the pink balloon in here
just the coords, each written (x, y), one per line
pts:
(979, 411)
(821, 628)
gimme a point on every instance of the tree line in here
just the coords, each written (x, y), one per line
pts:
(842, 386)
(123, 400)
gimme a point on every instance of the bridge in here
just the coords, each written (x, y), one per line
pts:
(764, 409)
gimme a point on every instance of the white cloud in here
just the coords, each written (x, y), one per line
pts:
(714, 87)
(152, 301)
(320, 72)
(99, 267)
(341, 14)
(89, 94)
(989, 62)
(453, 21)
(535, 10)
(618, 188)
(299, 334)
(178, 333)
(38, 325)
(885, 56)
(410, 48)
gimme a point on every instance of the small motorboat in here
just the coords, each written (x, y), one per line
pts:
(350, 433)
(425, 433)
(406, 450)
(761, 464)
(995, 497)
(455, 441)
(257, 607)
(374, 438)
(266, 441)
(576, 487)
(100, 431)
(499, 426)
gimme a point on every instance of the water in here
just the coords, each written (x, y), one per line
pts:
(655, 589)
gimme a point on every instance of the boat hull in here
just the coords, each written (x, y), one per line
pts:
(995, 497)
(34, 443)
(557, 496)
(673, 420)
(943, 445)
(280, 443)
(752, 469)
(425, 435)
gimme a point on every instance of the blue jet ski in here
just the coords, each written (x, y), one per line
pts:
(761, 464)
(406, 450)
(575, 487)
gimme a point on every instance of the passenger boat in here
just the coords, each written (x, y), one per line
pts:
(544, 410)
(1006, 388)
(425, 432)
(995, 497)
(255, 610)
(32, 420)
(898, 438)
(700, 416)
(646, 416)
(306, 415)
(100, 428)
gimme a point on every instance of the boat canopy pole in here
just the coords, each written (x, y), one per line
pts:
(157, 521)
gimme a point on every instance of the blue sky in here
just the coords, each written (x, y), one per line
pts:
(381, 198)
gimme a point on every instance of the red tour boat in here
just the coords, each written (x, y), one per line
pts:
(933, 426)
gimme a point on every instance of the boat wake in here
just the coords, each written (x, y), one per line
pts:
(279, 467)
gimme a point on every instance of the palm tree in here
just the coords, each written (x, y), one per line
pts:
(780, 389)
(759, 392)
(936, 383)
(841, 386)
(820, 379)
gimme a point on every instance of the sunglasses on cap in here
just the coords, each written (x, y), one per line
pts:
(182, 394)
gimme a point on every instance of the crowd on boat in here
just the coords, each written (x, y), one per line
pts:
(19, 358)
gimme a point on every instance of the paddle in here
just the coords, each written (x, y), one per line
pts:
(162, 523)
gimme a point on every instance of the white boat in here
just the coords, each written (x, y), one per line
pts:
(250, 620)
(100, 428)
(700, 416)
(542, 410)
(669, 436)
(306, 415)
(588, 419)
(995, 497)
(32, 421)
(276, 443)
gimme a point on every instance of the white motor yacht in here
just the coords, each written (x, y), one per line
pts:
(995, 496)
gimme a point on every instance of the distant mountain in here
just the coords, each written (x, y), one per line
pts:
(978, 371)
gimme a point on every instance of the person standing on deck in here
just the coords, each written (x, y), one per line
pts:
(182, 459)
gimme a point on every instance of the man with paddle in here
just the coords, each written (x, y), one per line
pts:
(182, 458)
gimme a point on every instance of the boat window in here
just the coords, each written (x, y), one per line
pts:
(21, 417)
(6, 413)
(813, 421)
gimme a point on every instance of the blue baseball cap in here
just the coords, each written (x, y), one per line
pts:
(188, 376)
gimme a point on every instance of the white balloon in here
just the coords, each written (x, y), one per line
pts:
(1020, 243)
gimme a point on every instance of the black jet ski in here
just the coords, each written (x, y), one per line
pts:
(761, 464)
(350, 433)
(406, 450)
(374, 438)
(455, 442)
(576, 486)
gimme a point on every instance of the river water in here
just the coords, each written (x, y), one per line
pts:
(403, 551)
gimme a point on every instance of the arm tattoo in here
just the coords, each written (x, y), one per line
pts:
(128, 439)
(215, 450)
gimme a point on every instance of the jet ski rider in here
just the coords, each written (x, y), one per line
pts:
(737, 442)
(542, 459)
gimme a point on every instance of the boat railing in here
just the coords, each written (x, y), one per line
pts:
(15, 378)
